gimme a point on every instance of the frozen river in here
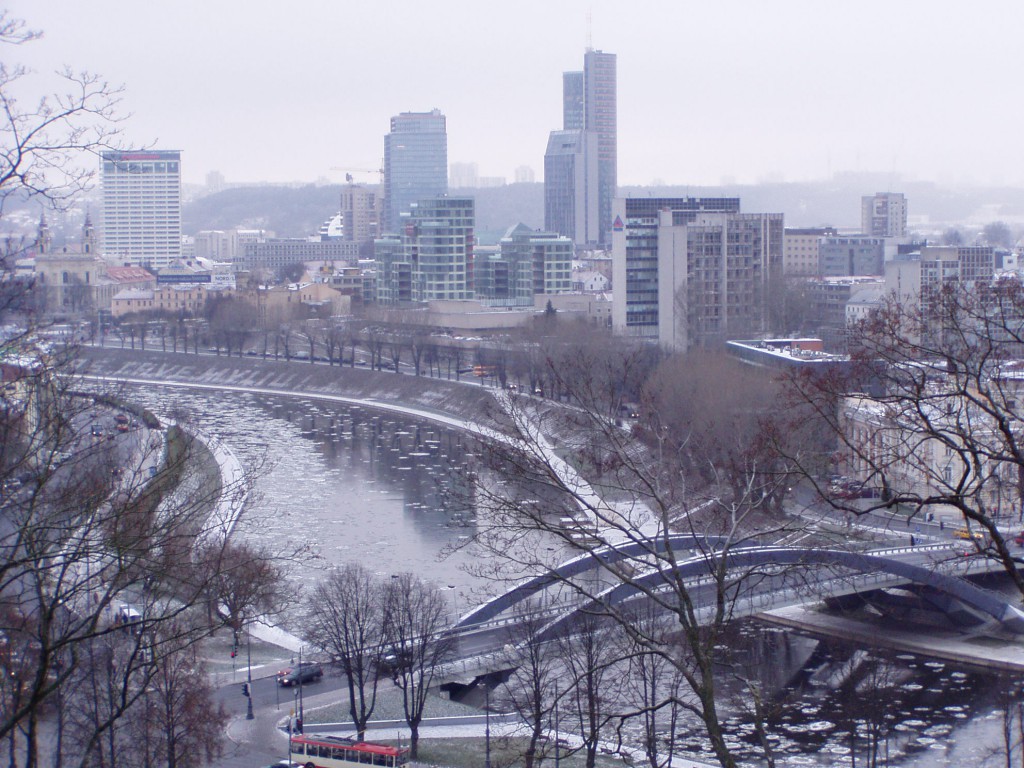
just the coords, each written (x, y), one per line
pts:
(353, 484)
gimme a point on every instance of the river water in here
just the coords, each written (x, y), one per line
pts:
(346, 483)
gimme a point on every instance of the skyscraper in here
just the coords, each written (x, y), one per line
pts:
(600, 118)
(415, 162)
(580, 164)
(142, 207)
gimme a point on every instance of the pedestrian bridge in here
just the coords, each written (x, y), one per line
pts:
(785, 576)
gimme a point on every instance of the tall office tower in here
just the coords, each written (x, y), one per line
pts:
(600, 118)
(580, 163)
(661, 270)
(570, 185)
(573, 109)
(432, 257)
(415, 162)
(884, 215)
(142, 207)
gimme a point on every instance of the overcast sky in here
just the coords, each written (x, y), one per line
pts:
(708, 92)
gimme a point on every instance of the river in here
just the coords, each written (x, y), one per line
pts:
(346, 483)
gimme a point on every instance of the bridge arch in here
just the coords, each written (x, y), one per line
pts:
(981, 600)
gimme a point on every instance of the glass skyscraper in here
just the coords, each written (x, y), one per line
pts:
(415, 163)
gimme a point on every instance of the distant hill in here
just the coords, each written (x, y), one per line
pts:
(299, 211)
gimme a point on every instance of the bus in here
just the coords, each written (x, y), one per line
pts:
(320, 751)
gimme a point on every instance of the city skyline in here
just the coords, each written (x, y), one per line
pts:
(791, 90)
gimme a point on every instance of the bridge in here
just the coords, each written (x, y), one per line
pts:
(785, 576)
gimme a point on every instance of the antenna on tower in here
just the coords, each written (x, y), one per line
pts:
(590, 36)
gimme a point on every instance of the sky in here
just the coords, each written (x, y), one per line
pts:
(711, 92)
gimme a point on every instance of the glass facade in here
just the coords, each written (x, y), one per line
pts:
(415, 163)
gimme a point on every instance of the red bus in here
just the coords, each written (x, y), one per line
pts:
(319, 751)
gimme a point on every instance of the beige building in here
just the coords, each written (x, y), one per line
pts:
(80, 284)
(176, 299)
(801, 253)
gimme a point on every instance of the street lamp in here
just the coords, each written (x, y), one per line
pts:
(248, 659)
(487, 726)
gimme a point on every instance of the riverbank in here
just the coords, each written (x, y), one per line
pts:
(947, 645)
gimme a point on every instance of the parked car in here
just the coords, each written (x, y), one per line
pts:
(306, 672)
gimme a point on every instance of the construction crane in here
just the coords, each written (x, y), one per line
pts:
(350, 170)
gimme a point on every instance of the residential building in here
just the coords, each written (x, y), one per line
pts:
(174, 299)
(801, 255)
(415, 163)
(635, 256)
(141, 207)
(529, 263)
(360, 216)
(432, 258)
(884, 214)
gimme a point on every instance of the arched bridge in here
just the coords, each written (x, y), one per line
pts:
(853, 572)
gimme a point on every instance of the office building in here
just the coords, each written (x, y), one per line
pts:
(141, 207)
(801, 254)
(689, 271)
(580, 163)
(601, 118)
(415, 163)
(884, 215)
(432, 256)
(848, 255)
(570, 186)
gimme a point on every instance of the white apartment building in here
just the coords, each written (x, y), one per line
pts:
(141, 223)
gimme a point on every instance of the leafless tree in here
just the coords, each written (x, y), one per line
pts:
(345, 619)
(243, 581)
(576, 482)
(416, 617)
(928, 411)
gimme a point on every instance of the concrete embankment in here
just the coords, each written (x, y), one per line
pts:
(432, 396)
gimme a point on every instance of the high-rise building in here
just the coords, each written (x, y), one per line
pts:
(432, 257)
(601, 118)
(142, 207)
(580, 164)
(688, 271)
(570, 185)
(360, 215)
(573, 102)
(415, 162)
(884, 215)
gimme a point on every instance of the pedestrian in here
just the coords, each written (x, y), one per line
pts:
(912, 542)
(942, 525)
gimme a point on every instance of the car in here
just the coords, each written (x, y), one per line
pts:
(1019, 539)
(966, 534)
(129, 617)
(306, 672)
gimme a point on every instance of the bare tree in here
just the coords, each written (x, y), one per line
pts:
(576, 482)
(242, 581)
(345, 620)
(416, 617)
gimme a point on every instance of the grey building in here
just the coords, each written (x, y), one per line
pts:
(884, 214)
(691, 271)
(141, 223)
(415, 162)
(529, 263)
(581, 160)
(276, 253)
(570, 185)
(851, 255)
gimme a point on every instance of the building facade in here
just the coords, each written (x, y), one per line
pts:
(415, 162)
(581, 160)
(801, 255)
(360, 215)
(433, 257)
(141, 207)
(847, 255)
(884, 214)
(635, 271)
(529, 263)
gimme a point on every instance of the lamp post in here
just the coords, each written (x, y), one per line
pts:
(248, 670)
(487, 726)
(556, 725)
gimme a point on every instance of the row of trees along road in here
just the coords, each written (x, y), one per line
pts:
(87, 523)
